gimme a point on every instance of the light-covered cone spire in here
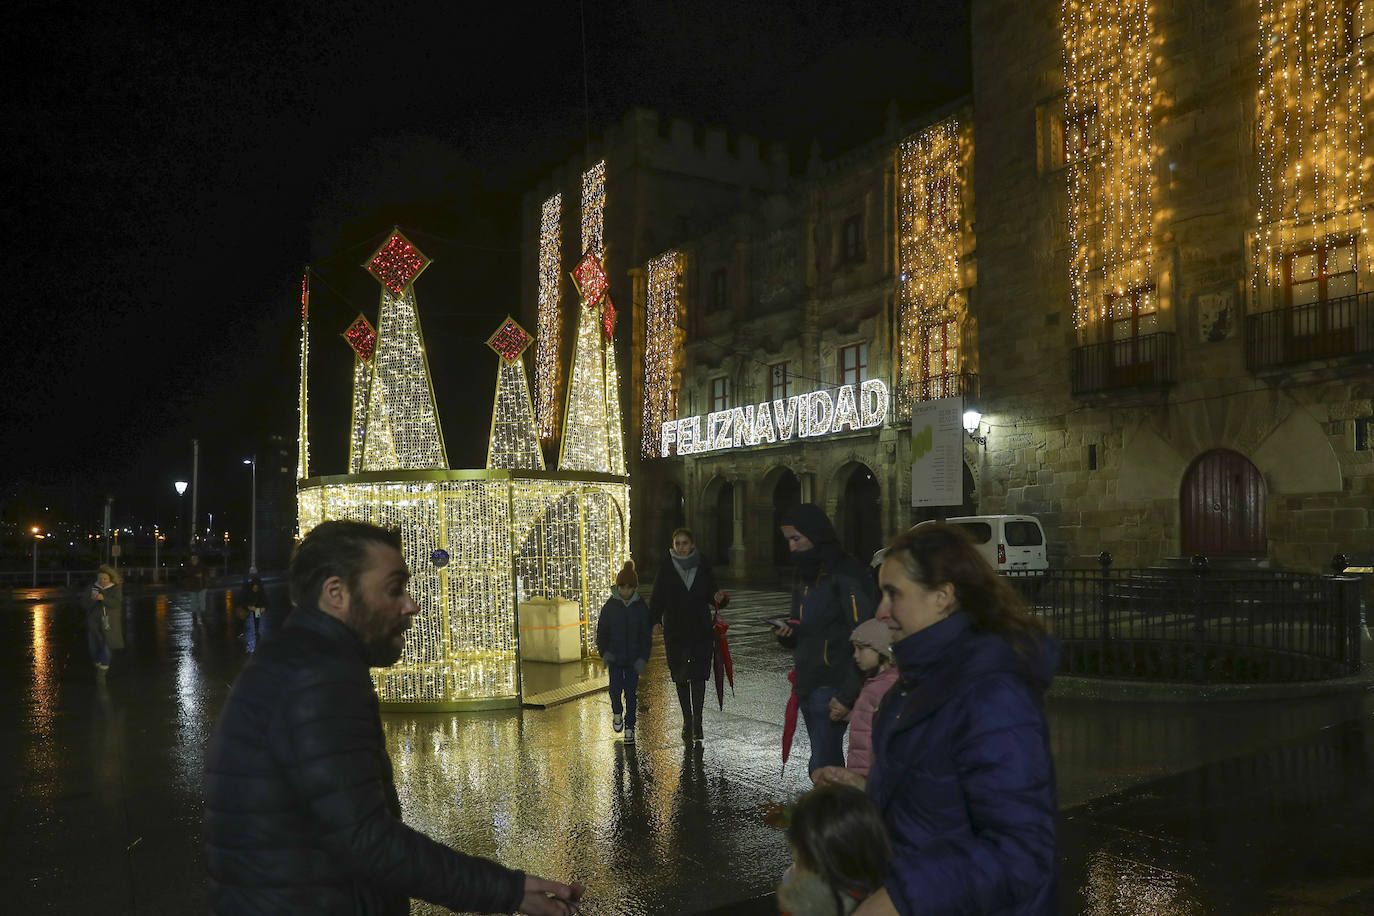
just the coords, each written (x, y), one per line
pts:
(514, 439)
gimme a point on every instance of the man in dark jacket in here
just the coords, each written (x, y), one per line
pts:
(831, 595)
(301, 809)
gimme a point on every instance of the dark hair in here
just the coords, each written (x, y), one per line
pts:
(334, 548)
(934, 553)
(686, 531)
(837, 833)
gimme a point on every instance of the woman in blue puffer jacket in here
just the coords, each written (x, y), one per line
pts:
(961, 753)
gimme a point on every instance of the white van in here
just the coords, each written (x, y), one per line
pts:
(1009, 542)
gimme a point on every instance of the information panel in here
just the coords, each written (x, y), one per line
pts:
(937, 452)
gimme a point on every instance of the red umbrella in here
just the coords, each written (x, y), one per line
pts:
(721, 662)
(789, 719)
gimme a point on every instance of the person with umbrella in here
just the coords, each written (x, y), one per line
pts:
(683, 606)
(830, 597)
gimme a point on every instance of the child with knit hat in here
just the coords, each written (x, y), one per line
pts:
(623, 640)
(873, 655)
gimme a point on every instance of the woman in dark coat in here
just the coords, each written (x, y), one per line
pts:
(685, 591)
(961, 771)
(104, 606)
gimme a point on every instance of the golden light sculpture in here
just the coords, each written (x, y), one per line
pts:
(594, 210)
(1108, 143)
(479, 543)
(592, 440)
(1315, 105)
(550, 320)
(930, 215)
(514, 439)
(362, 337)
(662, 346)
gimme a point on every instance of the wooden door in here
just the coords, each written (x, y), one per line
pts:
(1222, 506)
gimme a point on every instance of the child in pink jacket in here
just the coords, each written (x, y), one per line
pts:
(873, 654)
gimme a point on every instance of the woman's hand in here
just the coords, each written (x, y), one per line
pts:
(837, 710)
(657, 630)
(877, 904)
(838, 776)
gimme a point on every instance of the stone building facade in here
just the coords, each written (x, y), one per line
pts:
(1168, 333)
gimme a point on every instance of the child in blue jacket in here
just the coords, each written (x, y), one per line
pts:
(623, 641)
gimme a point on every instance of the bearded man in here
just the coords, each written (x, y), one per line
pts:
(301, 808)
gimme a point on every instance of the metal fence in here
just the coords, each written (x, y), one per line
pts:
(1199, 625)
(1318, 330)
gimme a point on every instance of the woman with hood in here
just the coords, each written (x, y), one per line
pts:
(104, 606)
(830, 597)
(961, 770)
(683, 606)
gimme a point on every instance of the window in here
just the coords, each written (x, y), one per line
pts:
(940, 363)
(1319, 274)
(852, 241)
(853, 364)
(940, 205)
(779, 381)
(720, 393)
(720, 287)
(1362, 433)
(1067, 138)
(1133, 314)
(979, 532)
(1023, 534)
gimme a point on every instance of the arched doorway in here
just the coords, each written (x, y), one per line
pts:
(672, 516)
(786, 494)
(861, 515)
(724, 529)
(969, 507)
(1221, 506)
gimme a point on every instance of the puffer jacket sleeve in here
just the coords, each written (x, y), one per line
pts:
(329, 741)
(644, 639)
(603, 632)
(1001, 754)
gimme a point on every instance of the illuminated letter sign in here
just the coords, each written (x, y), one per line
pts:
(802, 416)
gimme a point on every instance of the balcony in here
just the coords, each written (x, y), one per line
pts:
(1322, 330)
(952, 385)
(1134, 362)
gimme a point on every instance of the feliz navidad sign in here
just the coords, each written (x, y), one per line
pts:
(801, 416)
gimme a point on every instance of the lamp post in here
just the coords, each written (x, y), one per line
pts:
(180, 486)
(157, 536)
(253, 529)
(36, 538)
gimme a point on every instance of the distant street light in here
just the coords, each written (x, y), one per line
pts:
(180, 486)
(157, 536)
(36, 538)
(253, 530)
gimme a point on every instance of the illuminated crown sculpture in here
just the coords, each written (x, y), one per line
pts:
(479, 543)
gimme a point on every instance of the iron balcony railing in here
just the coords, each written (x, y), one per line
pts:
(1199, 625)
(952, 385)
(1146, 360)
(1321, 330)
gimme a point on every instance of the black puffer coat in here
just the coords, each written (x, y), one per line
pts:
(301, 813)
(686, 616)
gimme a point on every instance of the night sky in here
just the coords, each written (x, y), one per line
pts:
(170, 169)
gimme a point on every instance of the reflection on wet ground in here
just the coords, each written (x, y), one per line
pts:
(1168, 808)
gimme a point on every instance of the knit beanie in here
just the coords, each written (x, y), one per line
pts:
(873, 634)
(627, 576)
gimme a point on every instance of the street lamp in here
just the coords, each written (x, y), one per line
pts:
(253, 529)
(157, 536)
(36, 538)
(180, 486)
(973, 418)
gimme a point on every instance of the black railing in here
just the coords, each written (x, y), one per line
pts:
(1146, 360)
(952, 385)
(1200, 625)
(1321, 330)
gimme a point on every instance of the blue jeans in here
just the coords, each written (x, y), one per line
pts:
(252, 631)
(826, 737)
(624, 680)
(96, 643)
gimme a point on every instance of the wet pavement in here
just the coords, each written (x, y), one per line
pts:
(1262, 806)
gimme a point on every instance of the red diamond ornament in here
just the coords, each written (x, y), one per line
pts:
(361, 337)
(510, 340)
(590, 279)
(397, 263)
(607, 317)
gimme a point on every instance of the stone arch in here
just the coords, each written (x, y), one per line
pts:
(1221, 506)
(715, 536)
(781, 490)
(858, 514)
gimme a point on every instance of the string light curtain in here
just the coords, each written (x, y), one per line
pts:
(302, 410)
(930, 214)
(549, 324)
(661, 348)
(1108, 131)
(594, 210)
(1315, 105)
